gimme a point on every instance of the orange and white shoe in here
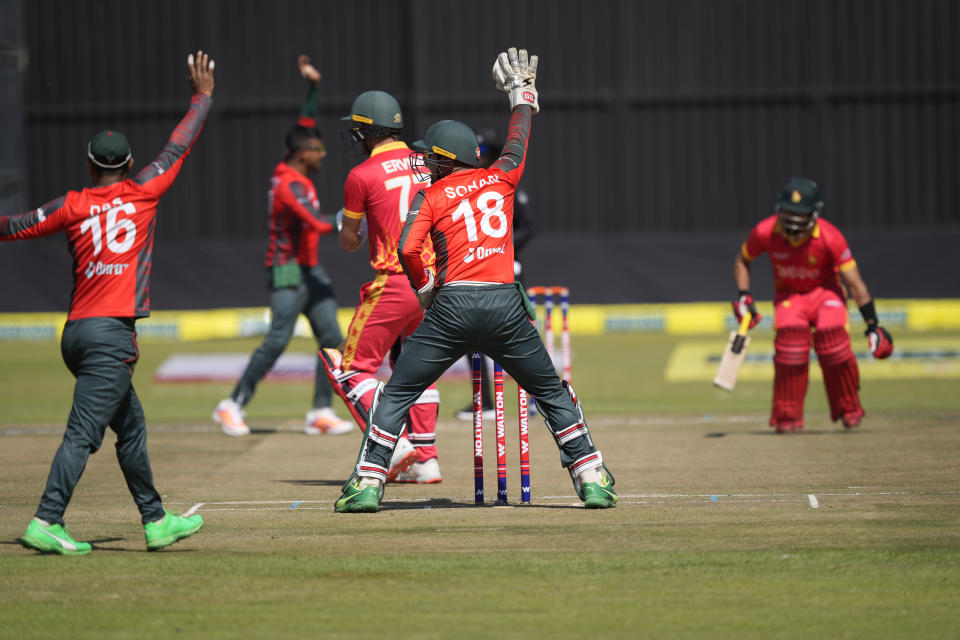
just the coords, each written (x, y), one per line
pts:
(229, 416)
(320, 421)
(404, 455)
(426, 472)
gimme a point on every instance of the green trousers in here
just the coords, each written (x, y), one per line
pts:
(490, 319)
(314, 298)
(101, 353)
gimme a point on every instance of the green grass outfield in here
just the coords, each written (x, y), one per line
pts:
(724, 529)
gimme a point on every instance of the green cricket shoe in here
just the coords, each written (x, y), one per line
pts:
(53, 538)
(357, 500)
(599, 495)
(169, 529)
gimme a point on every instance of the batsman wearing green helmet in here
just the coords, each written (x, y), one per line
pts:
(471, 300)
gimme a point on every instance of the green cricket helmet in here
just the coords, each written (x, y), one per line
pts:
(799, 206)
(446, 142)
(374, 114)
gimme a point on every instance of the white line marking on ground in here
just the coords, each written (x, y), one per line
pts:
(192, 510)
(813, 501)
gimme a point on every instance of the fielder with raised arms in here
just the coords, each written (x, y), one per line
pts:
(472, 302)
(110, 228)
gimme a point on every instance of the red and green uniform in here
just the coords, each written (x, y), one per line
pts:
(478, 307)
(381, 189)
(294, 224)
(808, 296)
(110, 232)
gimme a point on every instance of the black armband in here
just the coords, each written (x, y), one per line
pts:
(869, 314)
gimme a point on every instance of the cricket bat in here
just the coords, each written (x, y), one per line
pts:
(736, 351)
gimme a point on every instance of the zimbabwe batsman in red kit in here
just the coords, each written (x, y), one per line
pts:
(809, 257)
(472, 301)
(378, 193)
(110, 229)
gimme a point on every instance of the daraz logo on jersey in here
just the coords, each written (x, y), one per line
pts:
(481, 253)
(100, 269)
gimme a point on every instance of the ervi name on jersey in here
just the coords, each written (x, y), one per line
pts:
(463, 189)
(100, 269)
(481, 253)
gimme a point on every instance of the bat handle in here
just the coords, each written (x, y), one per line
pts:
(745, 324)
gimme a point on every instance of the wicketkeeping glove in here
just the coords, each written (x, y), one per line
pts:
(743, 305)
(880, 342)
(515, 74)
(427, 292)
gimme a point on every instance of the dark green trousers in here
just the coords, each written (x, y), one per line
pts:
(490, 319)
(315, 299)
(101, 353)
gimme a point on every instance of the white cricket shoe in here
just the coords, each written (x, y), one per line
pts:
(229, 416)
(426, 472)
(404, 455)
(324, 420)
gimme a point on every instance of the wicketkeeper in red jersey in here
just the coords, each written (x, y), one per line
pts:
(110, 228)
(296, 281)
(376, 198)
(810, 257)
(472, 301)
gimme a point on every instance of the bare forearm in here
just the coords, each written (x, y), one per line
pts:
(741, 274)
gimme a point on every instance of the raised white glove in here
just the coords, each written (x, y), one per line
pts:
(427, 292)
(515, 74)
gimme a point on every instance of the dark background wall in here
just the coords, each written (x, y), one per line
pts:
(667, 129)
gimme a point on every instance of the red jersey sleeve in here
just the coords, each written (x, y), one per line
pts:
(42, 221)
(759, 239)
(296, 198)
(157, 176)
(416, 229)
(837, 246)
(354, 196)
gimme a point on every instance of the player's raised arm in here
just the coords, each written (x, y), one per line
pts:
(515, 73)
(161, 172)
(308, 112)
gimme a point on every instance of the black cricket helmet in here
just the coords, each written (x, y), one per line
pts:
(446, 143)
(799, 205)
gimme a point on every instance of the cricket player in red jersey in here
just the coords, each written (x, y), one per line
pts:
(295, 279)
(377, 194)
(472, 301)
(810, 257)
(110, 228)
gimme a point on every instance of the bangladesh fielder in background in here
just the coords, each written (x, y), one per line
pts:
(296, 281)
(472, 301)
(376, 198)
(110, 229)
(809, 256)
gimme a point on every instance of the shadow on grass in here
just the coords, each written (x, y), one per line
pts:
(804, 432)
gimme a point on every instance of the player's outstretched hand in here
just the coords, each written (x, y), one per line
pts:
(880, 342)
(307, 70)
(200, 67)
(515, 73)
(743, 305)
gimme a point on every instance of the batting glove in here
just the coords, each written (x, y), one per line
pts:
(880, 342)
(515, 74)
(743, 305)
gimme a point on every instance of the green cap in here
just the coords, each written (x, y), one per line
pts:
(800, 195)
(376, 108)
(453, 140)
(109, 149)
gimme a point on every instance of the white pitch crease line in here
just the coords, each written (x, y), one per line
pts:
(192, 510)
(813, 501)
